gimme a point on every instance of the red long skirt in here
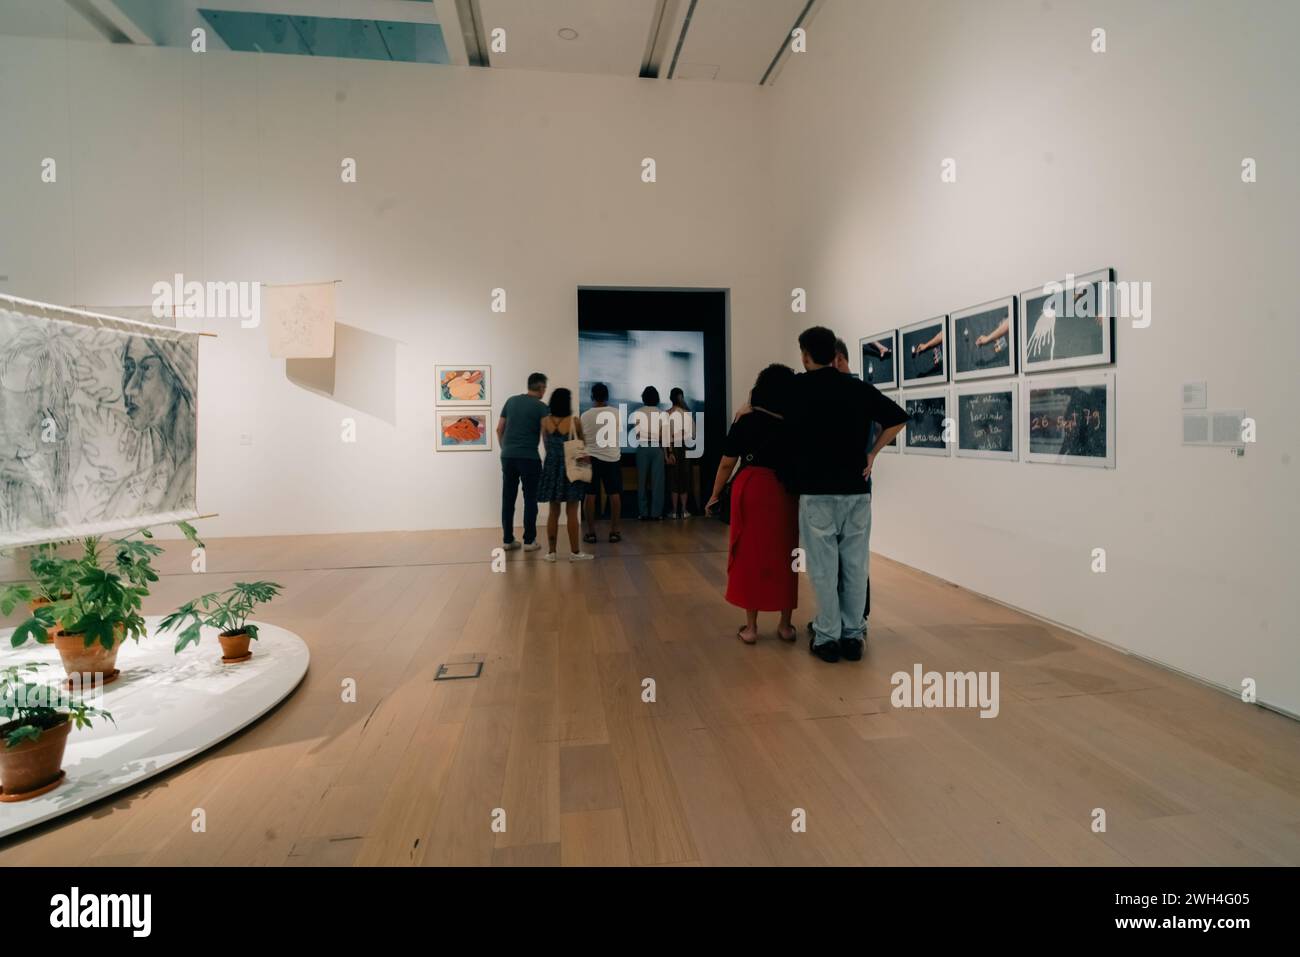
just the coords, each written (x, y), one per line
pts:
(764, 533)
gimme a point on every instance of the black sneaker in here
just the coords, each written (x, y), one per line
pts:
(826, 651)
(851, 649)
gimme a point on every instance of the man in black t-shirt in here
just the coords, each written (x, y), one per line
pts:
(831, 420)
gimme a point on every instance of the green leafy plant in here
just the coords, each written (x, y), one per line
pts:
(29, 708)
(95, 595)
(226, 611)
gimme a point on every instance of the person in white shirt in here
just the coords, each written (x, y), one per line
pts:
(604, 444)
(681, 436)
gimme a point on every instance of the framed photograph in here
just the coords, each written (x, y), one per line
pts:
(984, 340)
(1068, 323)
(986, 420)
(875, 427)
(464, 430)
(879, 354)
(927, 417)
(923, 353)
(464, 385)
(1069, 420)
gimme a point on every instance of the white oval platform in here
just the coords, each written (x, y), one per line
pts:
(168, 707)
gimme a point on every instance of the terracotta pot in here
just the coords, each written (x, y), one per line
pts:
(27, 768)
(233, 646)
(95, 660)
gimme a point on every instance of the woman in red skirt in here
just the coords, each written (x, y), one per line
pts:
(764, 515)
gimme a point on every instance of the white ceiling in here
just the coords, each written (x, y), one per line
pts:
(729, 41)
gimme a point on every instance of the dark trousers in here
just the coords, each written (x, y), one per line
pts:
(514, 472)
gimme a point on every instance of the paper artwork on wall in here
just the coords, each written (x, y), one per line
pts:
(98, 421)
(926, 432)
(1068, 323)
(464, 430)
(984, 340)
(299, 320)
(879, 361)
(986, 420)
(464, 384)
(924, 349)
(1070, 420)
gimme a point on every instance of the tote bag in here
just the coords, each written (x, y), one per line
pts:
(574, 448)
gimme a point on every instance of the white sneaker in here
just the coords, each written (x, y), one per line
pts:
(532, 546)
(510, 546)
(581, 557)
(552, 557)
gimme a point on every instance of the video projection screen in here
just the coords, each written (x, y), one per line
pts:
(629, 360)
(666, 338)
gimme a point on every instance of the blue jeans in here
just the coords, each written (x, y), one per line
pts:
(650, 465)
(834, 531)
(513, 473)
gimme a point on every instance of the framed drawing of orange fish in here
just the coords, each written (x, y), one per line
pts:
(464, 430)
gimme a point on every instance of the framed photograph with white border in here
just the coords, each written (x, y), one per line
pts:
(1069, 419)
(987, 427)
(463, 385)
(1068, 323)
(923, 353)
(875, 427)
(927, 436)
(984, 340)
(879, 355)
(463, 430)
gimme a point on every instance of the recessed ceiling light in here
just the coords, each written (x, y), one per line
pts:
(568, 33)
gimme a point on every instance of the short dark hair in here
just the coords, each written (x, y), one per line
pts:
(676, 396)
(819, 343)
(842, 349)
(600, 392)
(649, 395)
(772, 388)
(561, 404)
(535, 380)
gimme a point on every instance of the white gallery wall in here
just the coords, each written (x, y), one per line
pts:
(227, 167)
(1070, 161)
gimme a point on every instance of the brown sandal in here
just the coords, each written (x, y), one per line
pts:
(740, 633)
(794, 633)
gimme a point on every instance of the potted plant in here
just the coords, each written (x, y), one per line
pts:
(225, 611)
(99, 606)
(37, 720)
(53, 579)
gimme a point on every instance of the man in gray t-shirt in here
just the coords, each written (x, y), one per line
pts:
(519, 431)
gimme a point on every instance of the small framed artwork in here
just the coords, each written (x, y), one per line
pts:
(986, 420)
(464, 430)
(984, 340)
(879, 359)
(464, 385)
(1069, 420)
(875, 428)
(1067, 324)
(923, 353)
(927, 422)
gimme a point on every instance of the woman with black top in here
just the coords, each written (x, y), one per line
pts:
(764, 515)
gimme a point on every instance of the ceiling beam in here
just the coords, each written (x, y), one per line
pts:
(107, 17)
(778, 62)
(656, 47)
(471, 28)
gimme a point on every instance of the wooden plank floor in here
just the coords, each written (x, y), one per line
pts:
(555, 739)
